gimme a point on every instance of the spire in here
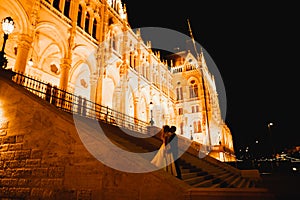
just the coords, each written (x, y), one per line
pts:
(191, 34)
(124, 15)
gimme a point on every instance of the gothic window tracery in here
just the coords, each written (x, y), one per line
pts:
(67, 8)
(179, 93)
(94, 32)
(193, 89)
(56, 4)
(87, 22)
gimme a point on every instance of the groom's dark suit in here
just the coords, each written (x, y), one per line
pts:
(173, 141)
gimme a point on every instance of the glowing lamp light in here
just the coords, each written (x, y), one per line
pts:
(294, 169)
(151, 106)
(30, 62)
(151, 111)
(8, 25)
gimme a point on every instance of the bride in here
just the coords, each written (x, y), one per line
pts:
(163, 158)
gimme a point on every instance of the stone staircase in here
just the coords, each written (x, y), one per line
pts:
(197, 172)
(43, 157)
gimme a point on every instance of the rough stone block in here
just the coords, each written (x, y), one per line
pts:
(32, 182)
(33, 162)
(40, 172)
(7, 173)
(22, 173)
(41, 193)
(52, 183)
(9, 182)
(19, 138)
(4, 192)
(9, 155)
(4, 125)
(4, 147)
(15, 147)
(9, 139)
(3, 132)
(14, 164)
(84, 194)
(56, 172)
(35, 154)
(22, 155)
(19, 192)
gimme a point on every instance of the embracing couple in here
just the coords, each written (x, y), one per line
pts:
(167, 155)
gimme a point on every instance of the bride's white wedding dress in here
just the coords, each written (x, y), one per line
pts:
(164, 160)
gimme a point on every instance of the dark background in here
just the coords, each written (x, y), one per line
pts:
(255, 47)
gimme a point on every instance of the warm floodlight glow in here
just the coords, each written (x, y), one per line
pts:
(2, 117)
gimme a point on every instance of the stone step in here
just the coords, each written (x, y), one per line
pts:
(198, 179)
(192, 174)
(195, 171)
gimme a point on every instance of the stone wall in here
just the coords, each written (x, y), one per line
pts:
(42, 157)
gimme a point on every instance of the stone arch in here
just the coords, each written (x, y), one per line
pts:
(172, 114)
(142, 108)
(83, 62)
(80, 80)
(164, 113)
(113, 73)
(107, 92)
(57, 37)
(156, 110)
(81, 53)
(130, 104)
(49, 47)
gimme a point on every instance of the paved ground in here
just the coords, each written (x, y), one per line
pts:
(284, 186)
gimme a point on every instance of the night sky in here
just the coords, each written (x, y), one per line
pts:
(255, 47)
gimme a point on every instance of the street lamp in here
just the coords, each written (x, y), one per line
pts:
(151, 113)
(269, 128)
(8, 26)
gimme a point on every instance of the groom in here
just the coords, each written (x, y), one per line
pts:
(173, 141)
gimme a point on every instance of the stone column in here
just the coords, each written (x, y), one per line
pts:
(24, 44)
(93, 84)
(65, 67)
(136, 103)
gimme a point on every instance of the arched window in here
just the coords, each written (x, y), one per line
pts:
(193, 89)
(114, 42)
(79, 16)
(56, 4)
(135, 62)
(94, 33)
(131, 59)
(179, 93)
(87, 22)
(181, 128)
(197, 126)
(67, 8)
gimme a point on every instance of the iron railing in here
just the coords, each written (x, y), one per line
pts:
(78, 105)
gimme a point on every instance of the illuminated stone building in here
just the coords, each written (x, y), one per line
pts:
(88, 48)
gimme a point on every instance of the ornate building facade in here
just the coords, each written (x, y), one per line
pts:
(88, 48)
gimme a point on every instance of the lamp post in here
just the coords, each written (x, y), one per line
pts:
(151, 113)
(270, 133)
(8, 26)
